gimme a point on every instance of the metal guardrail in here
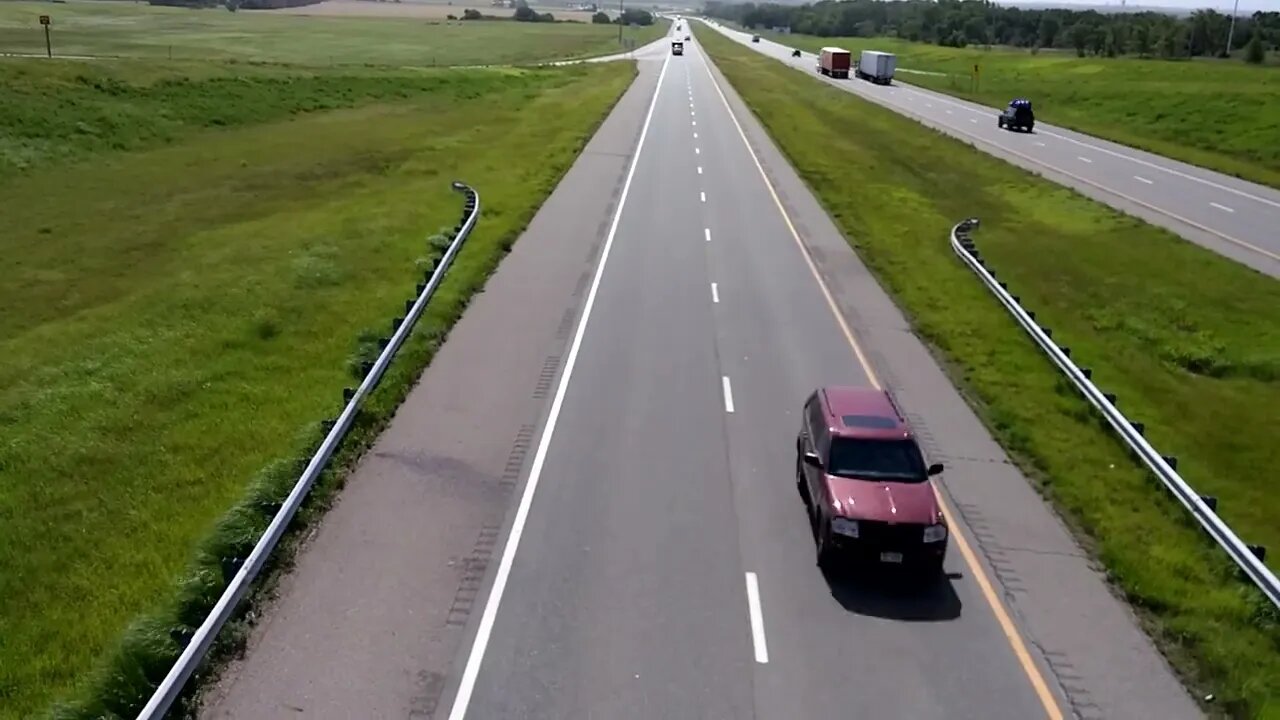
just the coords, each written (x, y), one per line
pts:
(1248, 558)
(198, 646)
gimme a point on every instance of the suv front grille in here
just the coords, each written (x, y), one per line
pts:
(890, 535)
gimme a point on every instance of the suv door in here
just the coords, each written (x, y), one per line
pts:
(813, 439)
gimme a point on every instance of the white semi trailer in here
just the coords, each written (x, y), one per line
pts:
(877, 66)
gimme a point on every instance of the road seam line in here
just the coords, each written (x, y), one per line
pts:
(757, 619)
(1012, 635)
(480, 643)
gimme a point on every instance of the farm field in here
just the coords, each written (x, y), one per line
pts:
(1220, 115)
(419, 36)
(194, 255)
(1188, 340)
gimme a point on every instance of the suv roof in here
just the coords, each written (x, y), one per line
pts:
(863, 413)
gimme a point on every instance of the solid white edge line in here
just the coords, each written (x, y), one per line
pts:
(728, 393)
(481, 642)
(707, 232)
(715, 293)
(757, 619)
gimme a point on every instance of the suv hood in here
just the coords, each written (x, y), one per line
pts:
(885, 501)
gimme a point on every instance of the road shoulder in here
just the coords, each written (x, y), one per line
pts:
(371, 620)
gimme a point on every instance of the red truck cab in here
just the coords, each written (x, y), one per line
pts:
(869, 492)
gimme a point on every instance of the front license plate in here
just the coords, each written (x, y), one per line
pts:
(891, 557)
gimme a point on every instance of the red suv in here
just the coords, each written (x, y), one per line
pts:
(865, 482)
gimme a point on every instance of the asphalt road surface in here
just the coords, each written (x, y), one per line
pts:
(659, 564)
(639, 550)
(1233, 217)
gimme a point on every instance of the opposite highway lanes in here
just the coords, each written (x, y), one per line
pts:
(1230, 216)
(665, 569)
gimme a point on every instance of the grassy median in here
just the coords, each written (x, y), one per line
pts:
(1190, 342)
(1219, 114)
(411, 33)
(193, 260)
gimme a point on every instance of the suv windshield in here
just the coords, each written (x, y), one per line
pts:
(896, 460)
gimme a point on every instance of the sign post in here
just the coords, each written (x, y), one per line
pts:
(977, 78)
(48, 43)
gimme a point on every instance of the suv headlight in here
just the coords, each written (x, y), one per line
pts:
(935, 533)
(845, 526)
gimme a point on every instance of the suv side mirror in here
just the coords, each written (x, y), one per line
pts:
(935, 469)
(812, 460)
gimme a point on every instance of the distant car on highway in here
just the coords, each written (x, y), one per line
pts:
(1018, 116)
(755, 38)
(864, 480)
(795, 53)
(686, 37)
(677, 47)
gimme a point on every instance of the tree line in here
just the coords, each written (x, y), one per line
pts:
(960, 23)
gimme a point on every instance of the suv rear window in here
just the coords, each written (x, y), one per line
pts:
(896, 460)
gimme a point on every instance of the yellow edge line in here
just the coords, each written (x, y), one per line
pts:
(988, 591)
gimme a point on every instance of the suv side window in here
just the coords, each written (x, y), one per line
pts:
(817, 428)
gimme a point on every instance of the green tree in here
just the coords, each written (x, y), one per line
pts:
(1048, 32)
(1254, 53)
(600, 19)
(1079, 37)
(1140, 41)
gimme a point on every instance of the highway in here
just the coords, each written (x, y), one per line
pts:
(1233, 217)
(640, 550)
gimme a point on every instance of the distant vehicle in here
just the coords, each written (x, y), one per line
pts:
(686, 37)
(865, 483)
(1018, 116)
(834, 62)
(677, 47)
(795, 53)
(755, 38)
(877, 66)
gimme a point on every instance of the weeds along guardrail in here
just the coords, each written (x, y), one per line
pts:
(1249, 558)
(171, 687)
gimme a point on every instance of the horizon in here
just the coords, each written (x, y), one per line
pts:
(1247, 7)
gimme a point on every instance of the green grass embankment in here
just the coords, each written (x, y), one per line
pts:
(1189, 340)
(193, 257)
(1219, 114)
(101, 28)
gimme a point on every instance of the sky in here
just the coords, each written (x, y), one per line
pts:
(1246, 6)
